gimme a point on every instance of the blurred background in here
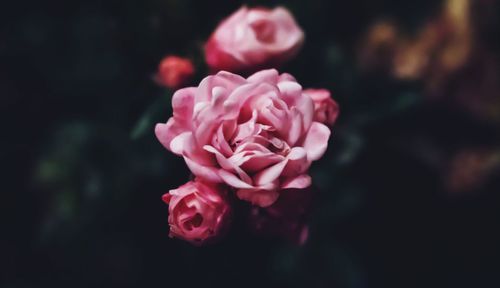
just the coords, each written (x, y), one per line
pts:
(408, 190)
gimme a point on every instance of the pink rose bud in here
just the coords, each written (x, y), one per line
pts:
(286, 218)
(175, 72)
(326, 110)
(198, 211)
(257, 134)
(253, 39)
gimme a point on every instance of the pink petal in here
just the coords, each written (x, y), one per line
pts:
(297, 162)
(183, 103)
(270, 174)
(295, 129)
(258, 161)
(287, 77)
(205, 172)
(266, 116)
(293, 95)
(166, 198)
(251, 146)
(223, 79)
(246, 129)
(228, 165)
(316, 141)
(237, 103)
(219, 142)
(270, 76)
(204, 132)
(233, 181)
(290, 91)
(299, 182)
(262, 198)
(306, 108)
(179, 142)
(168, 131)
(194, 151)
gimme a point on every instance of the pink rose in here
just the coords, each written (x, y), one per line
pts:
(257, 135)
(252, 39)
(326, 110)
(198, 211)
(174, 72)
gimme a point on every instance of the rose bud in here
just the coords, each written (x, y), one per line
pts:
(326, 110)
(257, 134)
(286, 218)
(198, 211)
(252, 39)
(175, 72)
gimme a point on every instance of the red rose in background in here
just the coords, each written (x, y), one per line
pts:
(198, 211)
(175, 72)
(253, 39)
(326, 110)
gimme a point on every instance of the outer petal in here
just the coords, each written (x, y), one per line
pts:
(168, 131)
(262, 198)
(179, 142)
(297, 162)
(223, 79)
(287, 77)
(208, 173)
(271, 76)
(183, 104)
(299, 182)
(316, 141)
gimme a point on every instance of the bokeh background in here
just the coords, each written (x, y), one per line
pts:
(409, 188)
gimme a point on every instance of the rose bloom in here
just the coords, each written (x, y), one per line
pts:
(252, 39)
(326, 110)
(174, 72)
(198, 211)
(257, 134)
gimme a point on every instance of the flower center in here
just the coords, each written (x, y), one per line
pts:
(194, 222)
(265, 30)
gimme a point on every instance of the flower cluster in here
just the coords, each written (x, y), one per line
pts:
(251, 139)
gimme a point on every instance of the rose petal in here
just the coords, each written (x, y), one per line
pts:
(258, 161)
(262, 198)
(270, 174)
(183, 104)
(205, 172)
(168, 131)
(297, 162)
(179, 142)
(166, 198)
(233, 181)
(224, 79)
(228, 165)
(316, 141)
(270, 76)
(295, 129)
(299, 182)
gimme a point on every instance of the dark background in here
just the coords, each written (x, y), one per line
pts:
(409, 188)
